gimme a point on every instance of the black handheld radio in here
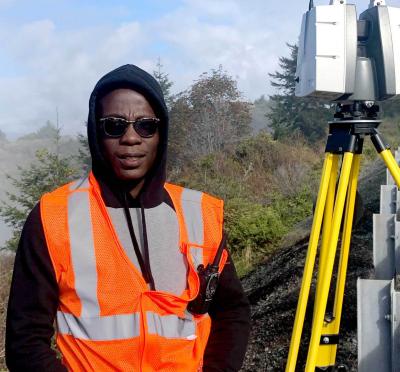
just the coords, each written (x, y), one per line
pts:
(208, 282)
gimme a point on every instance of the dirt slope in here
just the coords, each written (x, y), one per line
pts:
(274, 286)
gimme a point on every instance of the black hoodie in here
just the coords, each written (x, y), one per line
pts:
(33, 298)
(132, 77)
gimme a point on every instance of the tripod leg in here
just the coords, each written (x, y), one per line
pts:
(392, 165)
(327, 223)
(384, 151)
(327, 353)
(309, 264)
(326, 276)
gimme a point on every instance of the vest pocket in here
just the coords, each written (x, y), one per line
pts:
(174, 342)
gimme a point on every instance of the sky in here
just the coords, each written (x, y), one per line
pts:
(54, 51)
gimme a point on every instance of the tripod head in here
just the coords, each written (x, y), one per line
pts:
(345, 59)
(356, 110)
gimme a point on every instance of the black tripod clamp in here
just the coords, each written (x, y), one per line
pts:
(208, 277)
(351, 124)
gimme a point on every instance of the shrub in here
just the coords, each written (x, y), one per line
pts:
(295, 208)
(252, 225)
(253, 232)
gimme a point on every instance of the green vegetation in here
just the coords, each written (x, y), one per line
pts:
(83, 157)
(255, 230)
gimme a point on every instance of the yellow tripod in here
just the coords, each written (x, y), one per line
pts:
(334, 205)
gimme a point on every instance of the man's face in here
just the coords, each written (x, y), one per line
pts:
(131, 156)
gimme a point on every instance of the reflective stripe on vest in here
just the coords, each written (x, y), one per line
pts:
(104, 328)
(192, 214)
(82, 252)
(171, 326)
(191, 200)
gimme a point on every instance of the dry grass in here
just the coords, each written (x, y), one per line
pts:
(6, 263)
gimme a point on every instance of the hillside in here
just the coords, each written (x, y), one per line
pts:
(273, 288)
(268, 187)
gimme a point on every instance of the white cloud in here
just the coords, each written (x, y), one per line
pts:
(245, 38)
(58, 67)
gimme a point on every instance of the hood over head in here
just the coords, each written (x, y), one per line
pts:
(131, 77)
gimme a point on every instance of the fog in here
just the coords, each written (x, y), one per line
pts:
(20, 153)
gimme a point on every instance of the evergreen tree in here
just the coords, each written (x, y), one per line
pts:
(48, 171)
(165, 83)
(291, 114)
(84, 159)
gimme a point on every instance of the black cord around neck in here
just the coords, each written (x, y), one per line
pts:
(144, 266)
(146, 250)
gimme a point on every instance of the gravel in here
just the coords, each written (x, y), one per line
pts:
(273, 289)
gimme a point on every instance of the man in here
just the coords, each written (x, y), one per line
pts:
(113, 258)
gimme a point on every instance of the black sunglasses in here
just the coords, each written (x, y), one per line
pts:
(116, 127)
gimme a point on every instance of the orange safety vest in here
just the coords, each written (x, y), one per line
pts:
(108, 319)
